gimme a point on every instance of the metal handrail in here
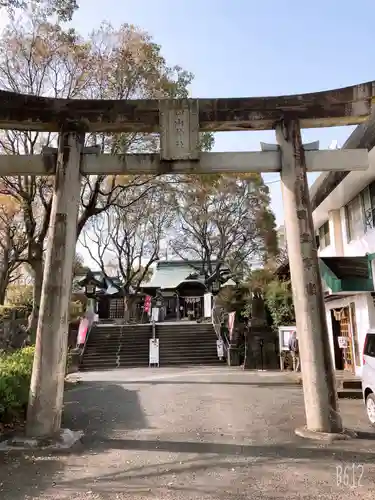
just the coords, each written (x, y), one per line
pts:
(217, 323)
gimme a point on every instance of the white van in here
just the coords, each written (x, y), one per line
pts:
(368, 375)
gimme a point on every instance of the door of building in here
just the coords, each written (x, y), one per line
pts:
(343, 316)
(354, 331)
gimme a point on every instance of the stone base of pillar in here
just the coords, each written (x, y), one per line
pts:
(233, 356)
(328, 437)
(64, 440)
(74, 359)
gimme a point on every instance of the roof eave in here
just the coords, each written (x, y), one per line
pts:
(363, 137)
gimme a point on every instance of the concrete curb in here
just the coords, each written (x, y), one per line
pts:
(328, 437)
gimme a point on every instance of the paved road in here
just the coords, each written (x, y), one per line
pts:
(187, 434)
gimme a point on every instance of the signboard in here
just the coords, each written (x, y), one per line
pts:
(207, 305)
(147, 304)
(155, 314)
(231, 317)
(153, 358)
(285, 333)
(343, 342)
(220, 349)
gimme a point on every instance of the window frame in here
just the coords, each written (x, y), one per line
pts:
(353, 232)
(324, 235)
(370, 339)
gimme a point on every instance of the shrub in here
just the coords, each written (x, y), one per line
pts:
(14, 312)
(279, 300)
(20, 295)
(15, 376)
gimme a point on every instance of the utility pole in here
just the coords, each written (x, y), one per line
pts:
(47, 382)
(316, 361)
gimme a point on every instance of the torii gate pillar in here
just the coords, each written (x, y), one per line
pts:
(47, 382)
(316, 361)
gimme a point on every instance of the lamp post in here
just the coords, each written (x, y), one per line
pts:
(90, 289)
(215, 287)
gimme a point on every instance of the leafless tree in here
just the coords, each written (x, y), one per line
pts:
(37, 57)
(224, 219)
(126, 239)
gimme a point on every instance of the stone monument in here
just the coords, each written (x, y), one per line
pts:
(260, 339)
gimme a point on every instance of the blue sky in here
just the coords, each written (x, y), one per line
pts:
(254, 48)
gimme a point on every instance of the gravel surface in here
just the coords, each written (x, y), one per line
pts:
(205, 433)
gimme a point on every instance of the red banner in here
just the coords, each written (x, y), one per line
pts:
(82, 331)
(231, 317)
(147, 304)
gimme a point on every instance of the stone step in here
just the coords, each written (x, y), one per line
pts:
(349, 394)
(182, 344)
(352, 384)
(183, 354)
(191, 362)
(180, 333)
(188, 338)
(137, 342)
(117, 342)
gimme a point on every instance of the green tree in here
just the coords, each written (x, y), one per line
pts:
(279, 300)
(64, 9)
(277, 294)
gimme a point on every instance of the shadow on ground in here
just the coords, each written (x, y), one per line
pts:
(102, 407)
(259, 384)
(295, 451)
(93, 407)
(211, 472)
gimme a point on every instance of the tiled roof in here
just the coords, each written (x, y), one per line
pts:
(169, 274)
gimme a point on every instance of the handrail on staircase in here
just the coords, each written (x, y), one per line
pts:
(217, 322)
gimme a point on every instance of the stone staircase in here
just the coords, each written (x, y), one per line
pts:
(348, 386)
(350, 389)
(181, 343)
(115, 346)
(187, 343)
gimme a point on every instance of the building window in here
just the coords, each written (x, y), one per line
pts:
(354, 218)
(368, 203)
(324, 236)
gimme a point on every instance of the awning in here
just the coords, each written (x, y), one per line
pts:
(347, 274)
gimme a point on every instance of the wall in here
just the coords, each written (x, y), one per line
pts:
(365, 318)
(365, 243)
(335, 248)
(360, 246)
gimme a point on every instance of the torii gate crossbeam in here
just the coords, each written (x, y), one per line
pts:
(179, 123)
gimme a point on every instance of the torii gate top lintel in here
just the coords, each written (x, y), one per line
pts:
(344, 106)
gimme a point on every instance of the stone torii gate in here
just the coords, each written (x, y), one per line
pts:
(179, 123)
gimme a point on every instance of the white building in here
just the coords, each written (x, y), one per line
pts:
(345, 225)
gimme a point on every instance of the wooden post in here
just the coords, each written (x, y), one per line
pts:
(47, 383)
(316, 361)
